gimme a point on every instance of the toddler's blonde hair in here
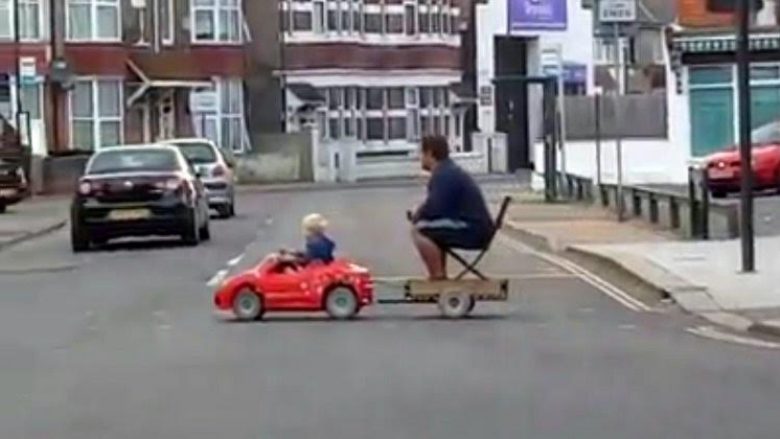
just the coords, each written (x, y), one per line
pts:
(314, 222)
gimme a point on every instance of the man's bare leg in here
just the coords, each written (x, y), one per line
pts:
(431, 254)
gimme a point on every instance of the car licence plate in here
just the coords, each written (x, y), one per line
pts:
(7, 192)
(720, 174)
(129, 214)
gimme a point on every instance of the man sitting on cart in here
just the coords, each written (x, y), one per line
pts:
(454, 214)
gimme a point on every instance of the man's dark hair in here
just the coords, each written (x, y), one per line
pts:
(437, 146)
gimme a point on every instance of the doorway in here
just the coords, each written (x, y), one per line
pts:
(166, 108)
(511, 101)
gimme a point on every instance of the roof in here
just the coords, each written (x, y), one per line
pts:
(305, 92)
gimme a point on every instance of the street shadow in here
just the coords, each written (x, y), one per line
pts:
(364, 320)
(138, 244)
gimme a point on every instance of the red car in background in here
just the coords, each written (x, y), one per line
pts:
(723, 167)
(341, 288)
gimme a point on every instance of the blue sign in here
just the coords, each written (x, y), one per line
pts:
(575, 73)
(537, 15)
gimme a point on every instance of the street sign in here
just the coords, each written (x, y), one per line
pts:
(617, 11)
(27, 70)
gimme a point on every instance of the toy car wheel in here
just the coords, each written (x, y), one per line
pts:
(248, 305)
(455, 304)
(341, 303)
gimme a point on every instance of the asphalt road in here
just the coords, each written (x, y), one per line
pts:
(123, 343)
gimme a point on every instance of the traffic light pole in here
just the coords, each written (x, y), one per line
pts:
(745, 141)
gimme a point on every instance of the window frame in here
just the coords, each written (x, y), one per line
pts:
(94, 5)
(170, 5)
(95, 117)
(215, 10)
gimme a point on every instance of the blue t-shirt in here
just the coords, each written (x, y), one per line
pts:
(453, 195)
(319, 248)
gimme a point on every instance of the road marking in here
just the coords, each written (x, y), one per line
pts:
(217, 278)
(233, 262)
(600, 284)
(714, 334)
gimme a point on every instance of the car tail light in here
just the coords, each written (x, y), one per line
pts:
(85, 188)
(218, 171)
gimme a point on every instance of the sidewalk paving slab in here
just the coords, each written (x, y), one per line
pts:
(702, 277)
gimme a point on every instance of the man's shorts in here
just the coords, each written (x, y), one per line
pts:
(449, 234)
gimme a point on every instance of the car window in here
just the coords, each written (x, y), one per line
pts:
(769, 133)
(119, 160)
(198, 152)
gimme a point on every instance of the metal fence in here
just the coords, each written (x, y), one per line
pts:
(642, 117)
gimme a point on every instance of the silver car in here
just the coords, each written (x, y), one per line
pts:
(215, 168)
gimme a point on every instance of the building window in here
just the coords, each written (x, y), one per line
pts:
(31, 100)
(433, 13)
(319, 17)
(410, 19)
(375, 128)
(373, 23)
(96, 114)
(93, 20)
(302, 21)
(166, 21)
(395, 98)
(224, 123)
(216, 21)
(394, 23)
(396, 128)
(357, 16)
(375, 98)
(333, 17)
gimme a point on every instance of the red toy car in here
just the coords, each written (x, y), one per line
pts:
(341, 288)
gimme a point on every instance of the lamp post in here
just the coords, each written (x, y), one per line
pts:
(745, 141)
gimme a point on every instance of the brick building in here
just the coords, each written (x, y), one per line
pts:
(123, 71)
(374, 73)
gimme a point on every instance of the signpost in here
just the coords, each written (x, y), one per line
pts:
(552, 65)
(617, 13)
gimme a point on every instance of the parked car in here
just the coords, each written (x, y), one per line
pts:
(13, 182)
(723, 167)
(138, 190)
(216, 168)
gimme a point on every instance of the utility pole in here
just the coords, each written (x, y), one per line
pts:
(745, 141)
(618, 120)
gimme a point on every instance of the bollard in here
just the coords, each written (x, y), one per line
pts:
(693, 204)
(704, 216)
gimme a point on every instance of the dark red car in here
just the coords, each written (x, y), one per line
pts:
(723, 166)
(341, 288)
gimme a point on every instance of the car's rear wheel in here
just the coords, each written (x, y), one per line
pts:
(719, 193)
(224, 211)
(205, 231)
(2, 207)
(341, 303)
(191, 233)
(248, 305)
(79, 241)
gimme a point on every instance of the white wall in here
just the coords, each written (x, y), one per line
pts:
(641, 164)
(576, 42)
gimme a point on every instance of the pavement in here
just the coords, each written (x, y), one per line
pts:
(125, 345)
(702, 277)
(32, 218)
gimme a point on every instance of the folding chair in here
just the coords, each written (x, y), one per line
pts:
(471, 267)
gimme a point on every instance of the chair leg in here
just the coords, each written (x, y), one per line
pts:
(468, 267)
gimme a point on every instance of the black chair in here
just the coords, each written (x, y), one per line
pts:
(471, 267)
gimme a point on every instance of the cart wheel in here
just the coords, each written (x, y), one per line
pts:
(455, 305)
(341, 303)
(248, 305)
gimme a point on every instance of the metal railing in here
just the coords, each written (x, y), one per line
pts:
(690, 212)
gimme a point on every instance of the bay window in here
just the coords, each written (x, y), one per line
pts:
(93, 20)
(216, 21)
(96, 113)
(166, 21)
(224, 124)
